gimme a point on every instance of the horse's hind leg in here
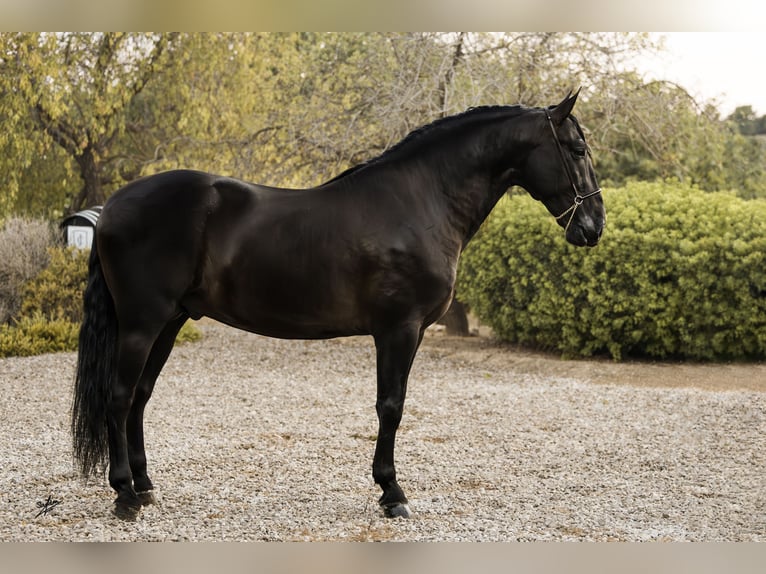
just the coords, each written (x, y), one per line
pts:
(134, 347)
(135, 421)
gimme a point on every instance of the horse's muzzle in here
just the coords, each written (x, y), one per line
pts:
(585, 235)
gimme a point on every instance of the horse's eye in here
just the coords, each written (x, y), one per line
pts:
(579, 152)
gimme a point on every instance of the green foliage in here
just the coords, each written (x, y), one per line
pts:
(747, 122)
(654, 131)
(82, 114)
(48, 184)
(679, 273)
(37, 334)
(51, 310)
(70, 91)
(189, 333)
(56, 292)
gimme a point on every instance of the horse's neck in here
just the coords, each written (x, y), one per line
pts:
(486, 165)
(468, 203)
(471, 195)
(468, 177)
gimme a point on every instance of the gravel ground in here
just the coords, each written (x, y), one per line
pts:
(251, 438)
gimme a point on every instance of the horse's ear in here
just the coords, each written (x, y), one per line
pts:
(562, 111)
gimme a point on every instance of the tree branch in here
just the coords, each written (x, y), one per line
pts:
(59, 132)
(446, 80)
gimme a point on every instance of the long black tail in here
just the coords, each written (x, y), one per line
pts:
(96, 362)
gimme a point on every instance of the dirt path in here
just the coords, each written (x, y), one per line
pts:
(484, 350)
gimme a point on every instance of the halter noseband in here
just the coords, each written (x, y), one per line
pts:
(578, 199)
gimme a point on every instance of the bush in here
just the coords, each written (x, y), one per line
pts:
(189, 333)
(51, 309)
(24, 251)
(36, 334)
(56, 292)
(679, 273)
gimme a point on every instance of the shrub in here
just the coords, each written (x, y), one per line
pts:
(189, 333)
(36, 334)
(56, 292)
(679, 273)
(24, 251)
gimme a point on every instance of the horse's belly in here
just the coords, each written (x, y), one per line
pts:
(284, 328)
(279, 315)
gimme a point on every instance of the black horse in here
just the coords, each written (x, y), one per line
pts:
(373, 251)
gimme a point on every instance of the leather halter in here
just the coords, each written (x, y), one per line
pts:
(579, 198)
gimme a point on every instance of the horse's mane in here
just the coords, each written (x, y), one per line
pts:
(419, 134)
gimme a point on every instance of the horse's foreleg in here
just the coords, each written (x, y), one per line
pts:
(396, 350)
(142, 484)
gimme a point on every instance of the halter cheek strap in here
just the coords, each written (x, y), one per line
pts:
(578, 197)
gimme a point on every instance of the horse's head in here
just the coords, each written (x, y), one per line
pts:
(559, 173)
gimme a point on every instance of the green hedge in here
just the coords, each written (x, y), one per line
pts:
(679, 273)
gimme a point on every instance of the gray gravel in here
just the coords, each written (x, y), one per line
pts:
(260, 439)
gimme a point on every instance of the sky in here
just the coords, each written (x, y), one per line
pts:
(725, 67)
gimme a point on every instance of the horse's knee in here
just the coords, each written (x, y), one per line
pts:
(389, 411)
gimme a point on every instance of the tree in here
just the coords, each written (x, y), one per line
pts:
(357, 94)
(72, 90)
(47, 185)
(747, 122)
(655, 130)
(203, 109)
(294, 109)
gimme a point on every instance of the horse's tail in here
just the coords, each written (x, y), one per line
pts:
(96, 362)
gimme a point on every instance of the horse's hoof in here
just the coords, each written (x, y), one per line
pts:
(146, 498)
(397, 510)
(126, 512)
